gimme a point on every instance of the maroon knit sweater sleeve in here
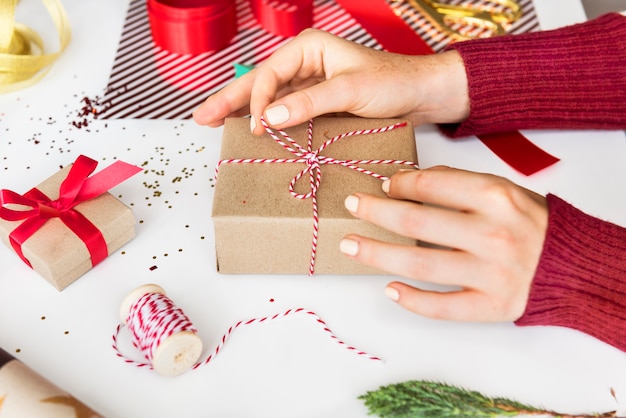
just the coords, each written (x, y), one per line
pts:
(569, 78)
(580, 281)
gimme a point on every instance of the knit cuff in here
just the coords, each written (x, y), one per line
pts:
(580, 281)
(569, 78)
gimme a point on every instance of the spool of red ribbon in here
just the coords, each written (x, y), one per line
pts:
(283, 18)
(192, 26)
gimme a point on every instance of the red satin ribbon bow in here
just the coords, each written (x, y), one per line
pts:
(197, 26)
(78, 187)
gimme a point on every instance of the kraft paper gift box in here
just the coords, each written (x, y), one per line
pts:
(57, 253)
(261, 228)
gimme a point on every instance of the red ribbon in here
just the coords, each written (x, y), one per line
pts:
(77, 187)
(197, 26)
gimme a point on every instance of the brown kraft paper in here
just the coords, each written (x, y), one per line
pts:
(261, 228)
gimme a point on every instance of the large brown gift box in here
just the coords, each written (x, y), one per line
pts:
(261, 228)
(59, 255)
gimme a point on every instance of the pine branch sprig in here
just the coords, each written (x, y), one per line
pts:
(419, 398)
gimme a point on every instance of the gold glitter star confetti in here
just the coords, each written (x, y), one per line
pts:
(82, 411)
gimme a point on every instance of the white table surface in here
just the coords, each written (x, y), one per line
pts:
(287, 367)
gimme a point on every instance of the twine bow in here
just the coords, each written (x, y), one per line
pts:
(35, 208)
(314, 160)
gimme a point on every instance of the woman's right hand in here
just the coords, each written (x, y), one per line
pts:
(317, 73)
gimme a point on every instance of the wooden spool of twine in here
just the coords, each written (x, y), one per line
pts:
(173, 350)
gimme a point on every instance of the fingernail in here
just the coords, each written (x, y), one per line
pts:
(352, 203)
(386, 186)
(252, 123)
(349, 246)
(392, 293)
(277, 115)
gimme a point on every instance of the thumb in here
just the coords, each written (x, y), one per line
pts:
(329, 96)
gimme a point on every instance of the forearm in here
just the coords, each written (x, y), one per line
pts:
(580, 281)
(570, 78)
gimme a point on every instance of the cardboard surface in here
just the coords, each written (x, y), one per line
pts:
(55, 252)
(261, 228)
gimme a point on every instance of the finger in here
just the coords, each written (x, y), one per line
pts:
(326, 97)
(445, 186)
(457, 305)
(432, 224)
(316, 65)
(297, 59)
(232, 100)
(445, 267)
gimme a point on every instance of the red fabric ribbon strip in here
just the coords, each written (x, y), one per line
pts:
(395, 36)
(517, 151)
(198, 26)
(77, 187)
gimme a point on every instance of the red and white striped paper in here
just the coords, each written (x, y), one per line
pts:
(147, 82)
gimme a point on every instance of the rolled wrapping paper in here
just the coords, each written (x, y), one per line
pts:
(198, 26)
(26, 394)
(175, 354)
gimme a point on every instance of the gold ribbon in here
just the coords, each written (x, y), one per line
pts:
(22, 58)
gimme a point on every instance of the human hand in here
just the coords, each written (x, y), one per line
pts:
(318, 73)
(494, 231)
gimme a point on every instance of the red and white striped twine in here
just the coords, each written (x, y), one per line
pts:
(154, 317)
(314, 160)
(150, 321)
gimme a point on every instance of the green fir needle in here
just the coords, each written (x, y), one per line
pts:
(415, 398)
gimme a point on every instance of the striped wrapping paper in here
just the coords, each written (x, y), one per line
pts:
(147, 82)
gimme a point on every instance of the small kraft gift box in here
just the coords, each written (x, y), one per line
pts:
(279, 198)
(70, 222)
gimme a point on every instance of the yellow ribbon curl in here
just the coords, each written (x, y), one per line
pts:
(22, 58)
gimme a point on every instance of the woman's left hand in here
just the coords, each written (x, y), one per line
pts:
(493, 231)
